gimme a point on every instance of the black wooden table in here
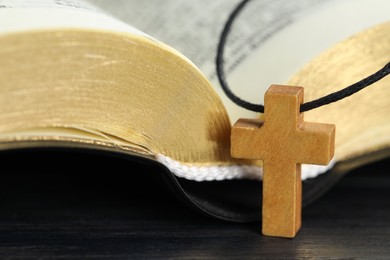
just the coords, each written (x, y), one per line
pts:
(73, 212)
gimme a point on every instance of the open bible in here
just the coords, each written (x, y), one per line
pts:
(80, 75)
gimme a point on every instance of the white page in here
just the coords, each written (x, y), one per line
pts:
(22, 15)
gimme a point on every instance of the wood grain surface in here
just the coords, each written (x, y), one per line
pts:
(73, 212)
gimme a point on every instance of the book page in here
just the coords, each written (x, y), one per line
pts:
(22, 15)
(270, 40)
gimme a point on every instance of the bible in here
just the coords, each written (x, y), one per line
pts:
(78, 74)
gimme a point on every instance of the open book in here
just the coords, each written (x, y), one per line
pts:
(79, 74)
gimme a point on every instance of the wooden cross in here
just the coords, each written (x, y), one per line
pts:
(282, 141)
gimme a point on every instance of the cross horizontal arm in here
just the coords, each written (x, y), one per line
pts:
(316, 143)
(246, 140)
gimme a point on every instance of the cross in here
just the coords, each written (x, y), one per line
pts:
(282, 141)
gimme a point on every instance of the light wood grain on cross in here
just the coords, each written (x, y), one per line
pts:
(282, 141)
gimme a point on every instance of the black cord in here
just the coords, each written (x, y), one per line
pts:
(333, 97)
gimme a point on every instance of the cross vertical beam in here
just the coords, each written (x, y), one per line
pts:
(282, 141)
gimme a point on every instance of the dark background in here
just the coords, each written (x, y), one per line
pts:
(100, 207)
